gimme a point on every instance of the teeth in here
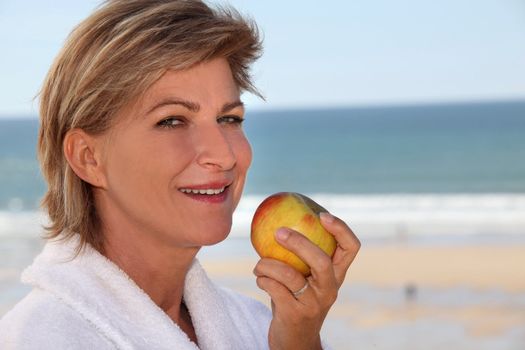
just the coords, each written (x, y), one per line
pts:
(207, 191)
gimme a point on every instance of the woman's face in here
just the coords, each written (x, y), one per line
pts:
(176, 161)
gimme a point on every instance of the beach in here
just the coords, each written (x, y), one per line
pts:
(435, 193)
(398, 294)
(406, 295)
(405, 290)
(396, 265)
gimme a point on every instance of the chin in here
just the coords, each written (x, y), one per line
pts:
(214, 235)
(211, 240)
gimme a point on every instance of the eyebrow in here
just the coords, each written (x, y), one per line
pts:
(192, 106)
(229, 106)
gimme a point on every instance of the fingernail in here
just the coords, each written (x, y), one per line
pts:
(327, 217)
(282, 234)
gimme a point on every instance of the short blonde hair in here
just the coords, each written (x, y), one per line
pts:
(109, 59)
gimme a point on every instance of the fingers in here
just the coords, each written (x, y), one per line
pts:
(347, 244)
(290, 291)
(314, 296)
(276, 290)
(286, 275)
(327, 273)
(319, 262)
(295, 324)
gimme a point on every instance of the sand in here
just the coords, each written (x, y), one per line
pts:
(408, 296)
(397, 296)
(395, 265)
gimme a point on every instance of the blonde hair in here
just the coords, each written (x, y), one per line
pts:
(111, 58)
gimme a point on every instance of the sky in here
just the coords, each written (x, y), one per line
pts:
(332, 54)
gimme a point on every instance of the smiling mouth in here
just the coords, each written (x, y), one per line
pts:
(207, 195)
(209, 191)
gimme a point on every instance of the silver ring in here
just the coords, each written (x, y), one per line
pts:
(301, 291)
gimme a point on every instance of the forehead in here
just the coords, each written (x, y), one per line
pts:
(207, 83)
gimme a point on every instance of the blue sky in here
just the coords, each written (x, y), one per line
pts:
(338, 53)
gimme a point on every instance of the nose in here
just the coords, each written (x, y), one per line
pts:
(214, 148)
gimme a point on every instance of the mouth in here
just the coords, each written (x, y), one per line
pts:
(210, 193)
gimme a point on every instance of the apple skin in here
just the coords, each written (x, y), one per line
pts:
(295, 211)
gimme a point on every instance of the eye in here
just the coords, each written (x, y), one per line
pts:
(170, 122)
(230, 119)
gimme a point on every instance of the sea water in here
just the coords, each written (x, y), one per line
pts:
(423, 174)
(389, 171)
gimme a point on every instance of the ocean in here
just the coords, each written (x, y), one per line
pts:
(421, 179)
(449, 169)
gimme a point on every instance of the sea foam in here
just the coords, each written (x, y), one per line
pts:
(412, 214)
(382, 215)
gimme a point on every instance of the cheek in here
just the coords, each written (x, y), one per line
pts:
(127, 170)
(243, 153)
(243, 156)
(135, 164)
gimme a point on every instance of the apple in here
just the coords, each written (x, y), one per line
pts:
(295, 211)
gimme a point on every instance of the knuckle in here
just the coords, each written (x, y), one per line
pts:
(324, 263)
(260, 282)
(356, 245)
(331, 297)
(338, 223)
(289, 273)
(265, 283)
(296, 239)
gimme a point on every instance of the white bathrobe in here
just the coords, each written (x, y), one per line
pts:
(89, 303)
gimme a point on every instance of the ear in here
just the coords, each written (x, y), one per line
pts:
(83, 152)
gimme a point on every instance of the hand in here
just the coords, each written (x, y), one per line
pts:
(297, 319)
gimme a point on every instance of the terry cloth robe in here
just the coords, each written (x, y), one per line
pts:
(89, 303)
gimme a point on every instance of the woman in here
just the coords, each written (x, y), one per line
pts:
(142, 148)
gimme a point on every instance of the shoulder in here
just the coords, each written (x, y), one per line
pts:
(41, 321)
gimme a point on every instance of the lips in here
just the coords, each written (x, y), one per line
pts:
(209, 193)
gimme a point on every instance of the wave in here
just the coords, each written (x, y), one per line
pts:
(382, 215)
(413, 214)
(22, 223)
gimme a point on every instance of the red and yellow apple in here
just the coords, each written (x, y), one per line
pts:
(295, 211)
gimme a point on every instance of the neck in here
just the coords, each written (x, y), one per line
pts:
(157, 262)
(158, 269)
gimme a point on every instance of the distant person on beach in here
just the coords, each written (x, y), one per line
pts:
(145, 159)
